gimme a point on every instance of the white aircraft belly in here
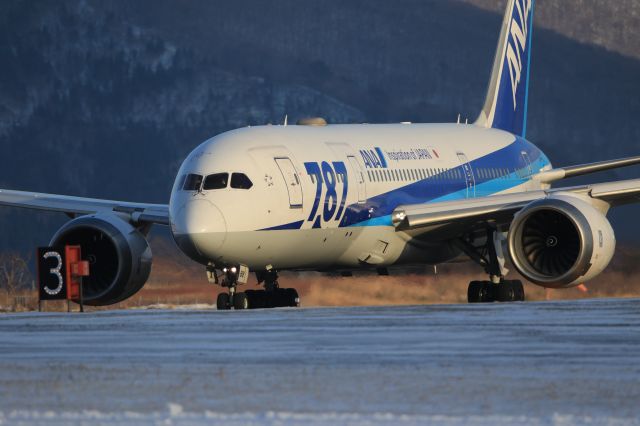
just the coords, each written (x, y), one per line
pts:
(349, 248)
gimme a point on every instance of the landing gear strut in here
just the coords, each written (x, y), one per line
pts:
(231, 299)
(271, 297)
(491, 258)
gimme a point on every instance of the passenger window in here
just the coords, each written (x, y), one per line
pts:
(240, 181)
(192, 182)
(216, 181)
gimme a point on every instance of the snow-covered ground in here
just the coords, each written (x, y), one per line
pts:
(557, 363)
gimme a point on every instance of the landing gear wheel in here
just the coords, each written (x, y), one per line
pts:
(223, 303)
(518, 290)
(480, 292)
(491, 257)
(240, 301)
(486, 292)
(257, 299)
(292, 297)
(506, 292)
(511, 291)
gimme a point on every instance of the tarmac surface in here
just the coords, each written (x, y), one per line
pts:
(523, 363)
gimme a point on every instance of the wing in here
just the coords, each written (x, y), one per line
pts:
(553, 175)
(500, 209)
(138, 212)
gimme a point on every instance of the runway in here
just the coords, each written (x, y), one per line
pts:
(528, 363)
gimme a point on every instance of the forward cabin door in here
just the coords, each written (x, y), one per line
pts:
(291, 180)
(358, 175)
(467, 171)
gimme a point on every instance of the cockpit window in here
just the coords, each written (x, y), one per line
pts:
(192, 182)
(216, 181)
(240, 181)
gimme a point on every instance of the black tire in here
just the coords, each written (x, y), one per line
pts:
(292, 297)
(280, 298)
(518, 290)
(481, 292)
(474, 292)
(251, 298)
(240, 301)
(256, 299)
(506, 292)
(223, 302)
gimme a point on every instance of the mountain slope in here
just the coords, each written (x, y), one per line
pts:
(105, 98)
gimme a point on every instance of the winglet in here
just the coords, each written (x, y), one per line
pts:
(507, 97)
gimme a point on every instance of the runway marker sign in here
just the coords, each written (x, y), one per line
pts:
(60, 272)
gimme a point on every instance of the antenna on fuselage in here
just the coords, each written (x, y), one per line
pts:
(458, 119)
(286, 119)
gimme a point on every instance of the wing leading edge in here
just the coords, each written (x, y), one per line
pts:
(138, 212)
(499, 209)
(553, 175)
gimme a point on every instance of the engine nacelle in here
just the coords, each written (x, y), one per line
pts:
(119, 256)
(561, 241)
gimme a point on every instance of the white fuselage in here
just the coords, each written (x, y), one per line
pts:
(321, 197)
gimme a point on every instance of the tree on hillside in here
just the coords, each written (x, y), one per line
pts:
(14, 273)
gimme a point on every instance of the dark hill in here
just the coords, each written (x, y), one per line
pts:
(105, 98)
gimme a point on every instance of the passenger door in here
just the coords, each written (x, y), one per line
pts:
(358, 174)
(467, 171)
(291, 180)
(527, 162)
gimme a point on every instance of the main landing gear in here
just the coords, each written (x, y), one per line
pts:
(491, 258)
(271, 297)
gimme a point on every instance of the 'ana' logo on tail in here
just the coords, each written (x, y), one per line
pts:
(517, 44)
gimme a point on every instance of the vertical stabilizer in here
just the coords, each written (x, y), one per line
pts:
(505, 106)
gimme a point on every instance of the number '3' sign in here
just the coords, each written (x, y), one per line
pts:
(51, 273)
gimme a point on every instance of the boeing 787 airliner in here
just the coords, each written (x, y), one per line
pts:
(343, 198)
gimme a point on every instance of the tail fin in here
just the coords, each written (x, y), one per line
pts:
(505, 106)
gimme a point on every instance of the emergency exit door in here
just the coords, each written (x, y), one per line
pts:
(291, 180)
(527, 163)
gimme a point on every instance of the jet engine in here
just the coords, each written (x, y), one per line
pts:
(561, 241)
(119, 256)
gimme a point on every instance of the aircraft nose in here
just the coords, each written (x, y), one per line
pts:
(199, 229)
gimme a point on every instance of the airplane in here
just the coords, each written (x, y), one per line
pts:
(350, 197)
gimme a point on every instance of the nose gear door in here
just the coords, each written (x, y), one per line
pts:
(291, 180)
(467, 171)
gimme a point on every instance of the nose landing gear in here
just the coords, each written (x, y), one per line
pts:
(271, 297)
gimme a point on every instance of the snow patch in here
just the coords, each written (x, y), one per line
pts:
(176, 415)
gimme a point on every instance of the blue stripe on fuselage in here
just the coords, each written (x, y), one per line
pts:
(377, 210)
